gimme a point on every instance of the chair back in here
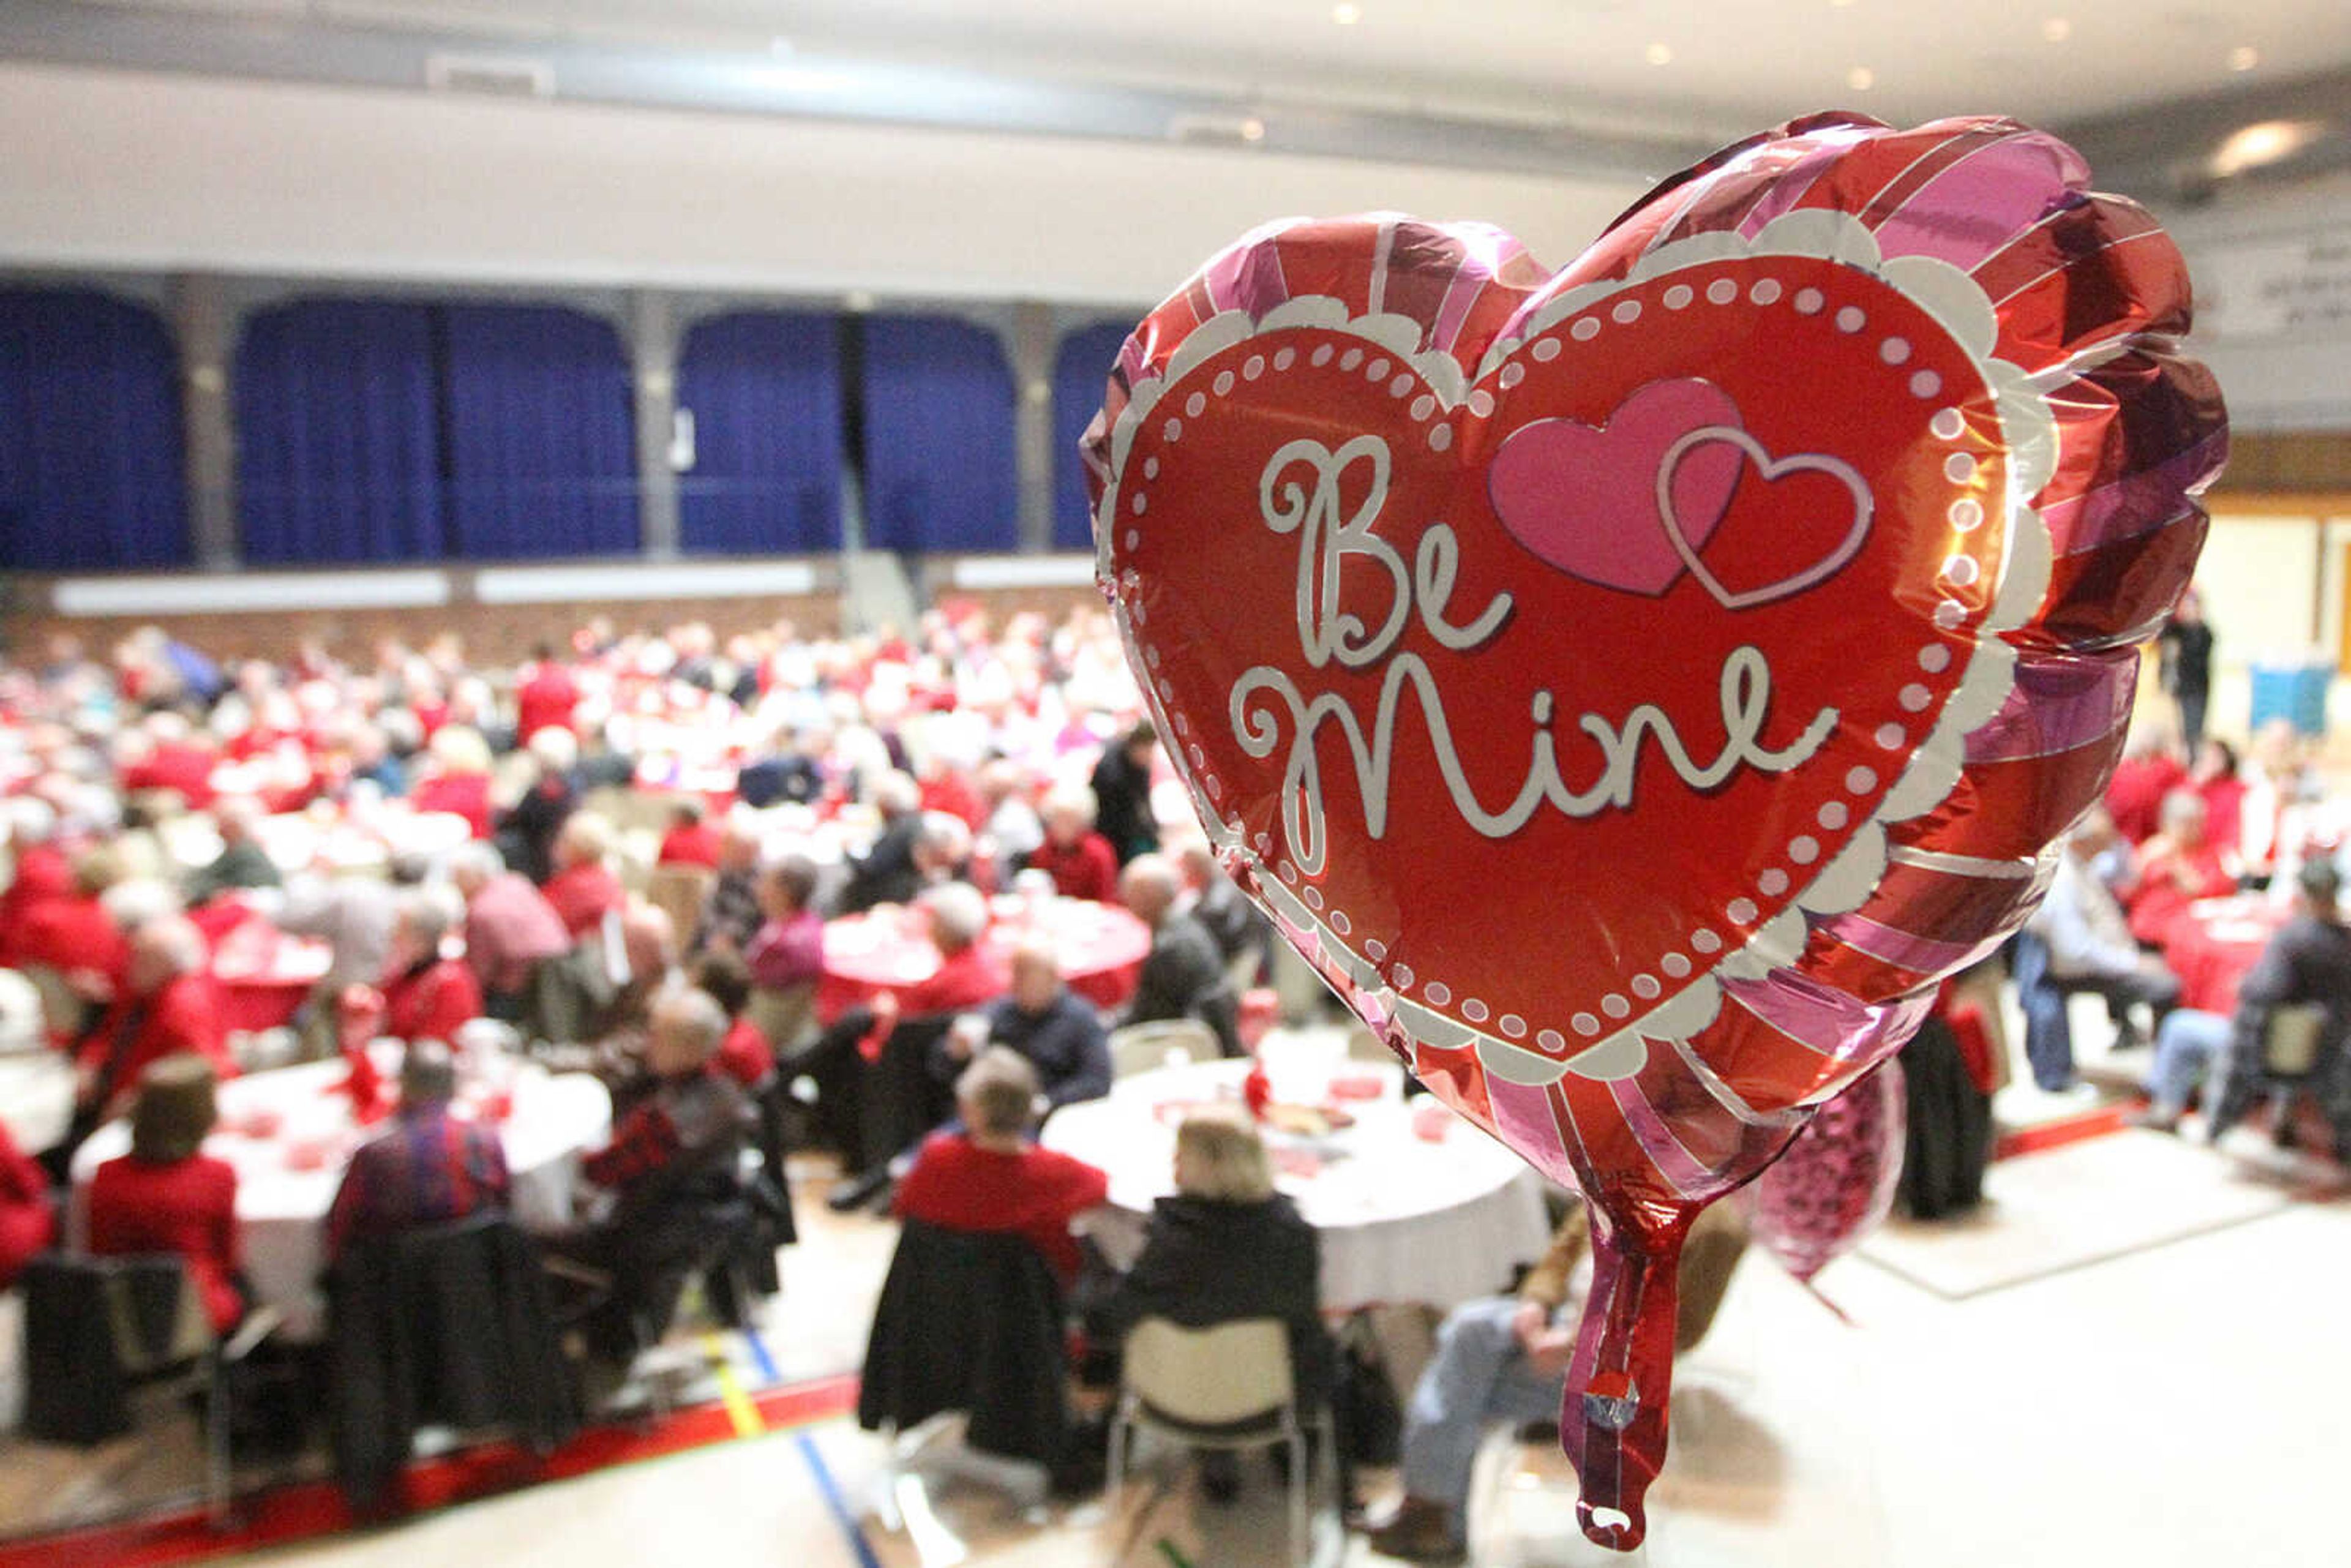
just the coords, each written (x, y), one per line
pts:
(1216, 1376)
(786, 1017)
(57, 1012)
(679, 892)
(2291, 1041)
(1143, 1047)
(95, 1325)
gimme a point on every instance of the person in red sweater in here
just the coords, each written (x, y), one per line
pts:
(2176, 868)
(990, 1178)
(744, 1054)
(459, 779)
(167, 1006)
(423, 994)
(692, 840)
(42, 874)
(544, 696)
(582, 892)
(2148, 771)
(166, 1196)
(1082, 862)
(2215, 778)
(74, 935)
(27, 1224)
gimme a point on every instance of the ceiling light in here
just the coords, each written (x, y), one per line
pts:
(2056, 30)
(2244, 58)
(1840, 4)
(1345, 15)
(1661, 55)
(1252, 128)
(780, 45)
(2265, 141)
(1861, 78)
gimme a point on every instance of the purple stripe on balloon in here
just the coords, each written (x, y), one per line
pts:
(1523, 1115)
(1974, 207)
(1453, 311)
(1675, 1163)
(1825, 1020)
(2140, 504)
(1899, 948)
(2056, 708)
(1790, 187)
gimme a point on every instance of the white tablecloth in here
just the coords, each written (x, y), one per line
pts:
(1402, 1219)
(37, 1098)
(282, 1212)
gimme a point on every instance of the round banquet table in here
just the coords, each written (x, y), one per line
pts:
(1402, 1219)
(263, 974)
(2212, 944)
(281, 1210)
(37, 1099)
(1101, 948)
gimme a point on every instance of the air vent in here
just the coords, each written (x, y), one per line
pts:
(489, 75)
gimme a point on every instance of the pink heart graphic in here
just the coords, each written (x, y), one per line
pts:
(1698, 447)
(1585, 500)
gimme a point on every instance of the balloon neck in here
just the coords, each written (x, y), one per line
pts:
(1612, 1418)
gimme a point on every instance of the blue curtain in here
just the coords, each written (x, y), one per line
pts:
(765, 393)
(541, 456)
(337, 422)
(90, 466)
(939, 467)
(1080, 368)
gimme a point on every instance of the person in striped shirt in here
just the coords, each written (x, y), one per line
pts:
(427, 1168)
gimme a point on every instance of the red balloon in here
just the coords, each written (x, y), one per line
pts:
(1835, 1180)
(1633, 687)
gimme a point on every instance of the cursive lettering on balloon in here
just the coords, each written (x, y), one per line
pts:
(1265, 703)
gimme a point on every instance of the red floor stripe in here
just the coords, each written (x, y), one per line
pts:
(2056, 1134)
(314, 1509)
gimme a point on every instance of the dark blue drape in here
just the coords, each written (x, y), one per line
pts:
(764, 391)
(338, 422)
(939, 467)
(1080, 368)
(541, 456)
(90, 464)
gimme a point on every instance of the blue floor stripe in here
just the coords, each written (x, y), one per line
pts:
(768, 1377)
(837, 1504)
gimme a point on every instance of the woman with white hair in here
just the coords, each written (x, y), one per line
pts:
(584, 889)
(1081, 860)
(424, 995)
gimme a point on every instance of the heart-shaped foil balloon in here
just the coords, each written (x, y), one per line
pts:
(1633, 687)
(1835, 1180)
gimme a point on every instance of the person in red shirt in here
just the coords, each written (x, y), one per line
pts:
(171, 756)
(1083, 863)
(42, 874)
(168, 1007)
(582, 892)
(970, 973)
(459, 780)
(166, 1196)
(2176, 867)
(27, 1224)
(74, 935)
(423, 994)
(744, 1054)
(990, 1178)
(692, 840)
(2148, 771)
(2215, 778)
(544, 696)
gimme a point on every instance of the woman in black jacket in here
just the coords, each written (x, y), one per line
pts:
(1228, 1247)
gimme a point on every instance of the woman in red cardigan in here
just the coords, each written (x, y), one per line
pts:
(26, 1222)
(166, 1196)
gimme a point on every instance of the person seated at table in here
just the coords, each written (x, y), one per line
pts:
(1012, 831)
(853, 1059)
(1218, 903)
(27, 1218)
(2215, 777)
(744, 1054)
(1504, 1359)
(989, 1177)
(169, 756)
(789, 771)
(1226, 1246)
(422, 994)
(886, 873)
(529, 830)
(1184, 974)
(2307, 961)
(943, 853)
(584, 889)
(692, 839)
(785, 958)
(427, 1167)
(2149, 770)
(40, 872)
(2176, 867)
(354, 915)
(1081, 860)
(1121, 785)
(2280, 780)
(544, 696)
(458, 779)
(242, 863)
(2090, 944)
(510, 928)
(731, 915)
(168, 1005)
(1054, 1030)
(369, 759)
(166, 1194)
(672, 1157)
(73, 934)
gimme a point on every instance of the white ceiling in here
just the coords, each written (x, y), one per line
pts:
(1732, 65)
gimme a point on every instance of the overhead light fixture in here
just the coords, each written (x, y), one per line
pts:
(1660, 54)
(1347, 14)
(2244, 58)
(1840, 4)
(1861, 78)
(2057, 30)
(1252, 128)
(780, 45)
(2262, 142)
